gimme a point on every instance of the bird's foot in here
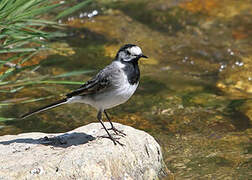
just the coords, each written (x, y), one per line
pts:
(118, 132)
(115, 140)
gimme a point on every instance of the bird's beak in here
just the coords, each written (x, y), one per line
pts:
(143, 56)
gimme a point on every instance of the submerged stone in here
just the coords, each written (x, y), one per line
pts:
(236, 80)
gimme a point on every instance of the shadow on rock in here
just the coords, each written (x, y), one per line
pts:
(63, 140)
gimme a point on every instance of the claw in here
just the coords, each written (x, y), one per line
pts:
(118, 132)
(115, 140)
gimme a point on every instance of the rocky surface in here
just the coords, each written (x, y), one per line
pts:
(81, 154)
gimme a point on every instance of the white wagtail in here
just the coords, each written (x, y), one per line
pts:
(112, 86)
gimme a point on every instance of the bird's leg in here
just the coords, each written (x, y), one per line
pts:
(99, 117)
(112, 126)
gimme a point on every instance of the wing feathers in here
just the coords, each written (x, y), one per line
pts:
(83, 89)
(100, 82)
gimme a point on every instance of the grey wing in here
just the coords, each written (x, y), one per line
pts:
(100, 82)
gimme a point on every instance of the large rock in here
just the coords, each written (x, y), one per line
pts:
(81, 154)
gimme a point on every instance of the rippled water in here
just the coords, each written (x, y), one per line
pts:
(195, 91)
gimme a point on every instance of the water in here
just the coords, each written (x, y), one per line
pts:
(195, 91)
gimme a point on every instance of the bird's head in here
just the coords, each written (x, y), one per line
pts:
(130, 53)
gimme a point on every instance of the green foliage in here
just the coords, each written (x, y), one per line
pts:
(20, 84)
(22, 27)
(17, 85)
(72, 9)
(5, 119)
(25, 27)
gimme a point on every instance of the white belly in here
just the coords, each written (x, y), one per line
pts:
(117, 97)
(111, 98)
(107, 99)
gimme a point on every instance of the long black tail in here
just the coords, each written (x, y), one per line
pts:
(53, 105)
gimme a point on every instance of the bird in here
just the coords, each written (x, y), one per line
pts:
(110, 87)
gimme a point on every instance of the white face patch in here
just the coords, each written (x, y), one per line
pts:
(135, 50)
